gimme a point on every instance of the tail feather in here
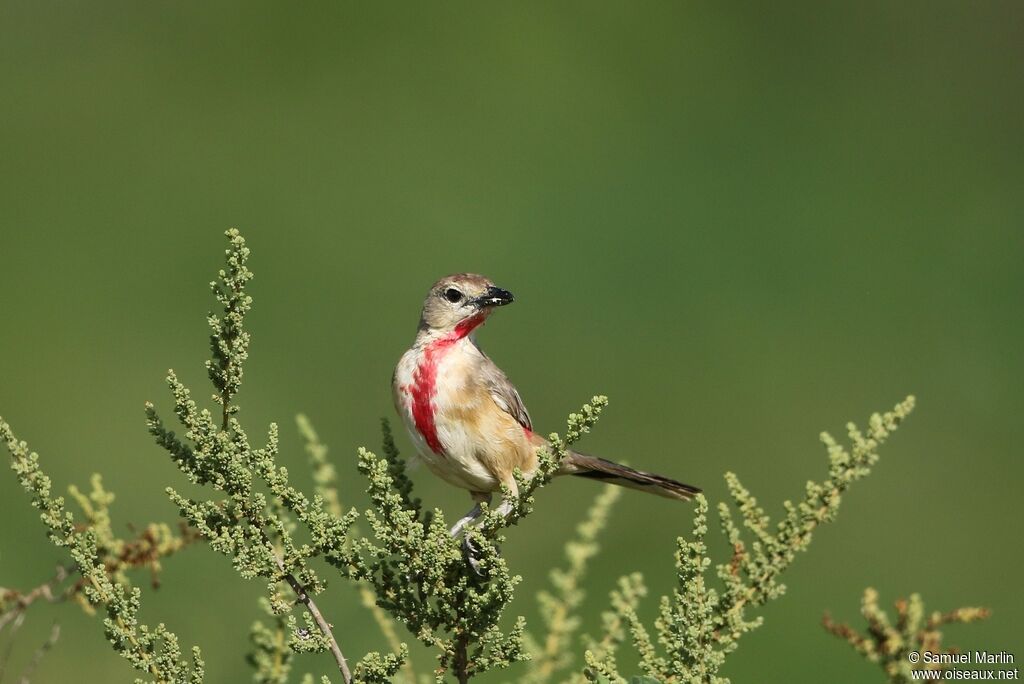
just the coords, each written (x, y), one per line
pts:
(596, 468)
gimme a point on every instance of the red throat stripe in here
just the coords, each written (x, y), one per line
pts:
(424, 380)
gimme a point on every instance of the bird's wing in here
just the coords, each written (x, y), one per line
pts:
(504, 393)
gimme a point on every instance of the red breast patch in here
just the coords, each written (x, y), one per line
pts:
(424, 381)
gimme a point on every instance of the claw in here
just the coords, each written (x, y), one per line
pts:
(472, 555)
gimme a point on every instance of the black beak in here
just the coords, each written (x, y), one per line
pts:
(494, 296)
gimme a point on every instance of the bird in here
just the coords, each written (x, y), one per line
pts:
(467, 421)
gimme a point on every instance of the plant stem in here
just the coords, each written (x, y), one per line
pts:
(318, 617)
(144, 654)
(461, 663)
(307, 601)
(293, 582)
(23, 601)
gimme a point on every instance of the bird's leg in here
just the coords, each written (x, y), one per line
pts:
(474, 512)
(472, 553)
(506, 503)
(504, 509)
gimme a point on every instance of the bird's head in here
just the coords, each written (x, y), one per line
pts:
(459, 303)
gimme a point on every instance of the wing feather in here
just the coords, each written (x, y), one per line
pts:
(505, 395)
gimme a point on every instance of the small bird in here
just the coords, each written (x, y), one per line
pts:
(467, 421)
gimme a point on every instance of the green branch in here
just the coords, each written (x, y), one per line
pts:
(700, 624)
(888, 643)
(154, 651)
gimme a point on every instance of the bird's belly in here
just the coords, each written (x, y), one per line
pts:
(458, 464)
(456, 459)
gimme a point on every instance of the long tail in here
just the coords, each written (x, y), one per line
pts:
(596, 468)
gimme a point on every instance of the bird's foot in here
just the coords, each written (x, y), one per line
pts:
(473, 555)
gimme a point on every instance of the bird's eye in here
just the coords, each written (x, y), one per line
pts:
(452, 295)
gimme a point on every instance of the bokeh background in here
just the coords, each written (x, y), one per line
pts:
(743, 223)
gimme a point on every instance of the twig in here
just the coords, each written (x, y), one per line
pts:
(135, 553)
(19, 619)
(325, 477)
(307, 601)
(26, 674)
(44, 590)
(461, 662)
(145, 655)
(318, 617)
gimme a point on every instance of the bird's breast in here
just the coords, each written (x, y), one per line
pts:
(434, 392)
(424, 383)
(460, 433)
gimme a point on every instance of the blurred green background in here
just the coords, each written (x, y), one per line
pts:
(743, 223)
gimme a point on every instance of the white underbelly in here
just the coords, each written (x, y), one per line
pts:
(466, 473)
(458, 463)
